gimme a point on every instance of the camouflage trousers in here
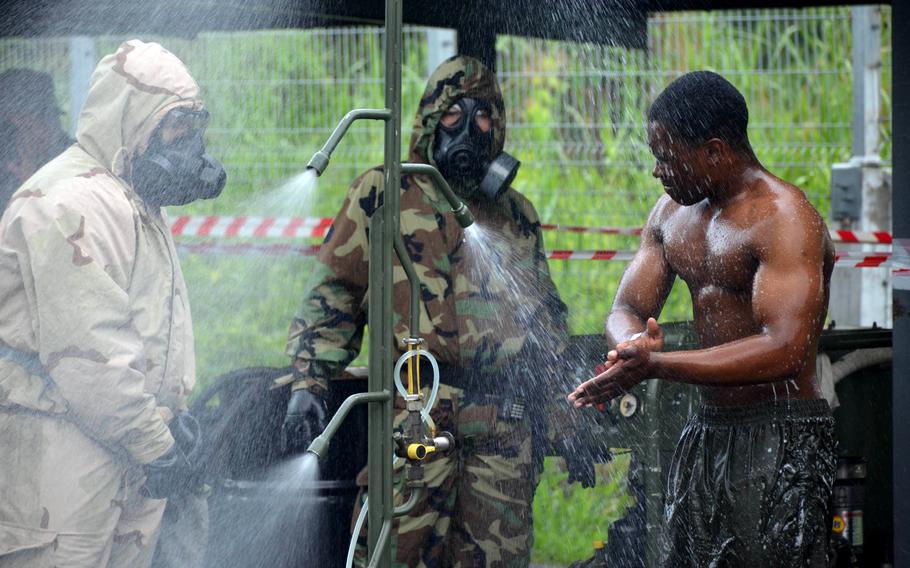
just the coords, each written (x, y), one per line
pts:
(476, 509)
(65, 501)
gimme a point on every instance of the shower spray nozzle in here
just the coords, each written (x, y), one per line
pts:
(459, 209)
(463, 216)
(320, 160)
(318, 447)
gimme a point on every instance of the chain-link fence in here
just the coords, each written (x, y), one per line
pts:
(575, 119)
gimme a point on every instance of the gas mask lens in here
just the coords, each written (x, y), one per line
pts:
(185, 120)
(453, 118)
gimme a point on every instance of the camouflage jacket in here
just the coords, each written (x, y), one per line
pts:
(90, 283)
(482, 302)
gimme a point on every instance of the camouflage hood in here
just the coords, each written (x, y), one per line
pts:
(131, 91)
(457, 77)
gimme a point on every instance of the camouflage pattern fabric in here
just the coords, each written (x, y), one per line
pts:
(67, 501)
(478, 300)
(476, 510)
(92, 289)
(487, 305)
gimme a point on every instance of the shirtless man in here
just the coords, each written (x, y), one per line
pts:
(751, 479)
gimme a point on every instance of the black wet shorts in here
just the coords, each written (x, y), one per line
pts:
(751, 486)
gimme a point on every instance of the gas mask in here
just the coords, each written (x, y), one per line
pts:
(462, 154)
(178, 172)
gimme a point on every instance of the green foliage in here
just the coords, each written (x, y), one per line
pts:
(568, 518)
(576, 121)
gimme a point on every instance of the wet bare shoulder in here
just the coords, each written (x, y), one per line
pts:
(662, 212)
(793, 205)
(784, 216)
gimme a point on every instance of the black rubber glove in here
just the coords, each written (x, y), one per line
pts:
(306, 419)
(176, 471)
(579, 461)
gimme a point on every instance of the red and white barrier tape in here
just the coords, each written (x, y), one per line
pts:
(262, 227)
(838, 236)
(591, 255)
(592, 230)
(863, 237)
(843, 259)
(247, 249)
(288, 249)
(308, 227)
(868, 263)
(901, 259)
(862, 259)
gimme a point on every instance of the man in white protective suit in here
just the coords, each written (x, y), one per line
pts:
(96, 340)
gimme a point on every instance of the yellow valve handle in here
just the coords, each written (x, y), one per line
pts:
(419, 451)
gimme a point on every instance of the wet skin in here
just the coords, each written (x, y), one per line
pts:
(757, 259)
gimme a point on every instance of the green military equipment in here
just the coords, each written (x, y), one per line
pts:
(386, 237)
(320, 160)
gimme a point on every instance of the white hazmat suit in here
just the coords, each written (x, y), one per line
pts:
(94, 308)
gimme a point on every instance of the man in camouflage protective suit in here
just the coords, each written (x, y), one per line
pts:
(96, 341)
(490, 315)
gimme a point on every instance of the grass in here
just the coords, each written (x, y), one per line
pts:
(576, 124)
(568, 518)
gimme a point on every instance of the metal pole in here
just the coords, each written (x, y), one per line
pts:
(867, 63)
(478, 41)
(900, 36)
(83, 58)
(861, 297)
(440, 46)
(385, 237)
(875, 283)
(381, 335)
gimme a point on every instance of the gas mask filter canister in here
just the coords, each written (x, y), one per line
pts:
(499, 175)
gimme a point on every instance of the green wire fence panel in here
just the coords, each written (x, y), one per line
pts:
(575, 119)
